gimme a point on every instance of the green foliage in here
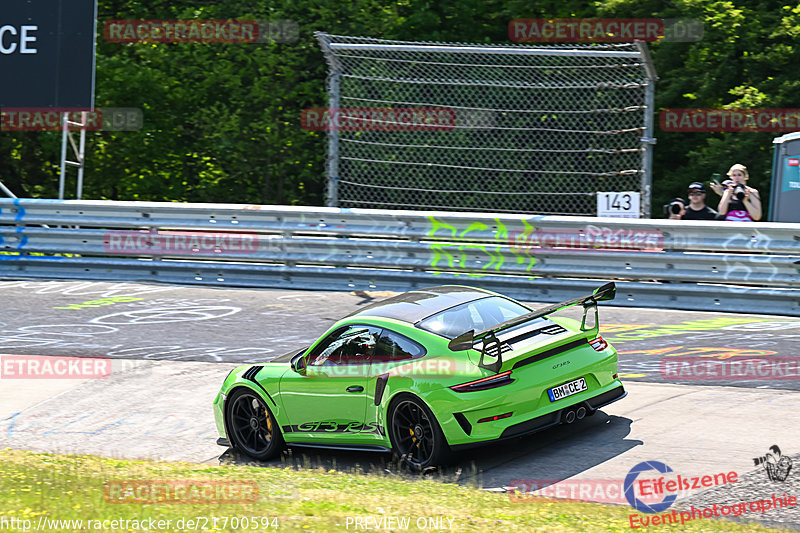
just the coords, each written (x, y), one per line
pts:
(741, 62)
(222, 121)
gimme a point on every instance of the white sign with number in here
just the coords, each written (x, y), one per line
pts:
(618, 204)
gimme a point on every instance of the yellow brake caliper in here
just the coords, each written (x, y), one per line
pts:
(413, 437)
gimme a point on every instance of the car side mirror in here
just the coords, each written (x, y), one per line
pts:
(299, 365)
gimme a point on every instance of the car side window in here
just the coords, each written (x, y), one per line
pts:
(395, 347)
(353, 344)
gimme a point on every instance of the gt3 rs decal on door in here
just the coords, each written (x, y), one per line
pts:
(334, 427)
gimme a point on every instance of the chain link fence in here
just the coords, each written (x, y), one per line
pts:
(486, 128)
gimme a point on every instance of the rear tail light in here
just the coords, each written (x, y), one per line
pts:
(495, 417)
(498, 380)
(599, 344)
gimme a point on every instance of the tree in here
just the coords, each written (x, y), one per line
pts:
(221, 120)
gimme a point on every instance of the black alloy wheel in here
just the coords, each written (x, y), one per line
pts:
(416, 436)
(252, 428)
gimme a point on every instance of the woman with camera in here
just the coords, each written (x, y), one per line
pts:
(739, 202)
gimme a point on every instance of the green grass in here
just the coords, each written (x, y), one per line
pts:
(64, 487)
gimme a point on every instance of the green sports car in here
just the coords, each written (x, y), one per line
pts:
(424, 371)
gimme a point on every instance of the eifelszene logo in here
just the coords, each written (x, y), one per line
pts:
(669, 486)
(630, 493)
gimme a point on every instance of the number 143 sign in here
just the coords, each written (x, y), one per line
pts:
(618, 204)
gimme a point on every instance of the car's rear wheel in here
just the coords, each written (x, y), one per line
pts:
(416, 436)
(251, 426)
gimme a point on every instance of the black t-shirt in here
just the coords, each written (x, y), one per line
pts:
(704, 214)
(736, 205)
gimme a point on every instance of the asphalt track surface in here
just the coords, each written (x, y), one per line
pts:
(161, 322)
(172, 346)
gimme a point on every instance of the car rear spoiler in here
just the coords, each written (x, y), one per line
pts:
(491, 345)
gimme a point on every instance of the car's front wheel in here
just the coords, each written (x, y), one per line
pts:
(251, 426)
(415, 434)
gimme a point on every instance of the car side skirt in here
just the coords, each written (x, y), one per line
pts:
(343, 447)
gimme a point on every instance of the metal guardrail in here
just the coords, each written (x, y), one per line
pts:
(724, 266)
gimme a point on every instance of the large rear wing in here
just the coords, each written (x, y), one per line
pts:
(491, 345)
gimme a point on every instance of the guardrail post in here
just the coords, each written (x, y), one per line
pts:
(647, 138)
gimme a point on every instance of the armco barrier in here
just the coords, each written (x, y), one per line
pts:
(725, 266)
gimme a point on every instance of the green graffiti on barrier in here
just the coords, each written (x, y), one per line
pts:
(520, 246)
(457, 254)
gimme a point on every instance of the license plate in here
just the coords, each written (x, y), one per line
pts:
(567, 389)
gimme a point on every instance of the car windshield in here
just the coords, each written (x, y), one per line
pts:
(475, 315)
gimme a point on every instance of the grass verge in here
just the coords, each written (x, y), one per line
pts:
(37, 489)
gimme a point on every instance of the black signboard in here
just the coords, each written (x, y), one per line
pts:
(47, 53)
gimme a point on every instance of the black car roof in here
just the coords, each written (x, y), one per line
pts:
(413, 306)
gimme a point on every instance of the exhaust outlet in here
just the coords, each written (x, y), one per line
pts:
(581, 412)
(570, 417)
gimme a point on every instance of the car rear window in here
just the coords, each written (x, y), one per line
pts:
(395, 347)
(477, 315)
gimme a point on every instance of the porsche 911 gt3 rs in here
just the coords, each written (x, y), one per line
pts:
(422, 372)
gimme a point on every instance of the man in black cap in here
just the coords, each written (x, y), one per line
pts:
(697, 208)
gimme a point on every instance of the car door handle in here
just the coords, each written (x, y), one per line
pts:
(355, 388)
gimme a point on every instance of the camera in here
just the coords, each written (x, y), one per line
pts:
(739, 192)
(673, 208)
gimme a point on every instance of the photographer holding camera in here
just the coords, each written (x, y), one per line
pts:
(695, 210)
(740, 202)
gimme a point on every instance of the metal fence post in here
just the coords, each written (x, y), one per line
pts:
(334, 85)
(647, 138)
(63, 175)
(7, 191)
(333, 144)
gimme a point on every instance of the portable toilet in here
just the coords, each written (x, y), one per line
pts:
(784, 200)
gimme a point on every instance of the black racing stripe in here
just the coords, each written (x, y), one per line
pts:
(551, 352)
(250, 375)
(555, 329)
(380, 387)
(463, 422)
